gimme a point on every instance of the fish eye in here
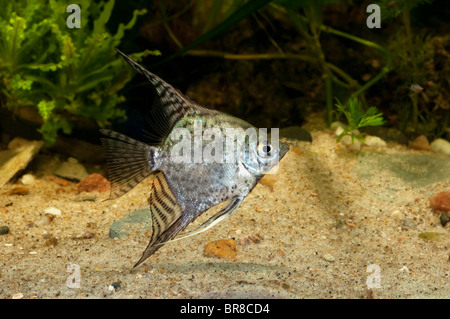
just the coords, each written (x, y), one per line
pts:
(265, 149)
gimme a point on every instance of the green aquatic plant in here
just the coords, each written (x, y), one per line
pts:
(411, 49)
(65, 73)
(357, 118)
(306, 17)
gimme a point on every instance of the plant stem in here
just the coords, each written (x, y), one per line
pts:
(383, 71)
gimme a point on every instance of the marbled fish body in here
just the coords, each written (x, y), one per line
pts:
(183, 190)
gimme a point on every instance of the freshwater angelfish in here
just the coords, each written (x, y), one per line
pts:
(193, 171)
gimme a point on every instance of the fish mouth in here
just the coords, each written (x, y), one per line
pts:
(284, 148)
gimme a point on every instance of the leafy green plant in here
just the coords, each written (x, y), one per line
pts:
(357, 118)
(65, 73)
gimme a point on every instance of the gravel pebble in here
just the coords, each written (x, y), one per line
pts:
(441, 145)
(4, 230)
(52, 211)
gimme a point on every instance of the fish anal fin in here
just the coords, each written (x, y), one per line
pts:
(166, 216)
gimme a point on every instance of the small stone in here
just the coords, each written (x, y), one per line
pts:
(4, 230)
(354, 145)
(45, 220)
(71, 170)
(421, 143)
(445, 219)
(115, 286)
(328, 257)
(21, 190)
(250, 239)
(221, 249)
(397, 214)
(374, 141)
(404, 269)
(94, 183)
(88, 235)
(430, 236)
(285, 286)
(339, 130)
(18, 295)
(52, 211)
(441, 145)
(28, 179)
(408, 223)
(337, 124)
(441, 202)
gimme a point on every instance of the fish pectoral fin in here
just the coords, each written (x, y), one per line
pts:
(217, 218)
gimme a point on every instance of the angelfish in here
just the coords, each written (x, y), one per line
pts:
(183, 190)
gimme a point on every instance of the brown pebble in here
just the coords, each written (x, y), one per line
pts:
(88, 235)
(250, 239)
(94, 183)
(285, 285)
(19, 191)
(421, 143)
(441, 202)
(221, 249)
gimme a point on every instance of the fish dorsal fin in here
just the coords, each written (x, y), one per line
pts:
(166, 216)
(170, 105)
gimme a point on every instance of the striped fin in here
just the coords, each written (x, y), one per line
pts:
(171, 104)
(166, 216)
(217, 218)
(128, 161)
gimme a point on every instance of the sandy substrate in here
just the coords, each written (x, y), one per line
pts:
(328, 222)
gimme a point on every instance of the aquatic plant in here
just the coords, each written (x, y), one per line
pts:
(306, 18)
(65, 73)
(415, 52)
(357, 118)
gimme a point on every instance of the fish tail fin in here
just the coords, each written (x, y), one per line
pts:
(128, 161)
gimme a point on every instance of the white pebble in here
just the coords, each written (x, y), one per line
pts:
(337, 124)
(374, 141)
(404, 269)
(328, 257)
(338, 131)
(354, 145)
(52, 211)
(18, 295)
(397, 214)
(440, 145)
(28, 179)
